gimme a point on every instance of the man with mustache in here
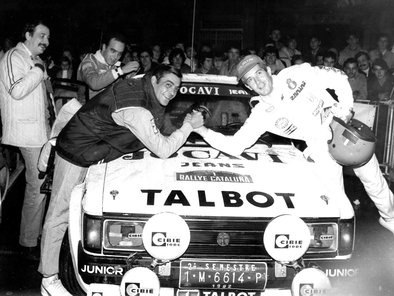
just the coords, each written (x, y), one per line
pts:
(25, 122)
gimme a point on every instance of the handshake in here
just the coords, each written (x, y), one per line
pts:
(197, 117)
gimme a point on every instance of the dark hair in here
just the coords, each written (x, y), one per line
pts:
(148, 50)
(350, 61)
(244, 52)
(162, 70)
(203, 56)
(117, 36)
(271, 49)
(218, 54)
(65, 59)
(362, 53)
(383, 35)
(233, 46)
(380, 63)
(296, 57)
(175, 52)
(330, 54)
(31, 27)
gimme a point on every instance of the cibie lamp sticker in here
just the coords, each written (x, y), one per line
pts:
(166, 236)
(140, 281)
(311, 282)
(286, 238)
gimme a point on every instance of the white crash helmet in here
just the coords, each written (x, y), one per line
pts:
(352, 144)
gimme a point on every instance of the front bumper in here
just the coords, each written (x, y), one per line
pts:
(109, 270)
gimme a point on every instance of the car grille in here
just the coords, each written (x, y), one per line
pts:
(245, 237)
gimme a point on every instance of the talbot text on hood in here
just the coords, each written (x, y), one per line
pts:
(229, 198)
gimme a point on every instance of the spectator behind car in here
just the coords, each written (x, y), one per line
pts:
(177, 59)
(380, 87)
(206, 64)
(103, 68)
(357, 80)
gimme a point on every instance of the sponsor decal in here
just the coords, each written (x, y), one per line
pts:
(223, 239)
(318, 108)
(283, 241)
(325, 114)
(298, 91)
(212, 176)
(291, 83)
(237, 92)
(230, 199)
(325, 237)
(308, 290)
(160, 239)
(133, 289)
(199, 90)
(283, 124)
(325, 198)
(212, 165)
(102, 269)
(114, 193)
(153, 124)
(247, 61)
(342, 272)
(206, 154)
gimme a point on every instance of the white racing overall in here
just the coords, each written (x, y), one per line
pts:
(299, 107)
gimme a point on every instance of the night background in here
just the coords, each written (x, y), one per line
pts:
(80, 25)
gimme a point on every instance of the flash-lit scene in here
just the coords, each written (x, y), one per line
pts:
(197, 148)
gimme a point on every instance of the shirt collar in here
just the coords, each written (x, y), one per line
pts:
(28, 51)
(99, 56)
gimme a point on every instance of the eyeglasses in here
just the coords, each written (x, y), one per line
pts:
(144, 56)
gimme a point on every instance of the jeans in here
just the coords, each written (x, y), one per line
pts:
(34, 202)
(66, 177)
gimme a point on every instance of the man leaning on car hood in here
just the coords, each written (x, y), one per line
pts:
(124, 118)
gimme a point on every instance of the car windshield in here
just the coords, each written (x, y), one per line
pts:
(228, 105)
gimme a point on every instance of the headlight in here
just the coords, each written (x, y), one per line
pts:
(324, 237)
(92, 229)
(346, 236)
(123, 235)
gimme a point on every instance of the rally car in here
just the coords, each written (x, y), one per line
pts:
(205, 223)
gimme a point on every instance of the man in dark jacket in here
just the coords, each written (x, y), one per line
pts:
(123, 118)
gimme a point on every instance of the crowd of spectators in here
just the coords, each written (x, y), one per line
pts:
(25, 68)
(369, 70)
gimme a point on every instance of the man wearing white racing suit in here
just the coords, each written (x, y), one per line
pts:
(295, 104)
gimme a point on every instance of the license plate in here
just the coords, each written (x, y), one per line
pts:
(222, 275)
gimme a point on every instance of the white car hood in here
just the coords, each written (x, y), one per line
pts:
(202, 181)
